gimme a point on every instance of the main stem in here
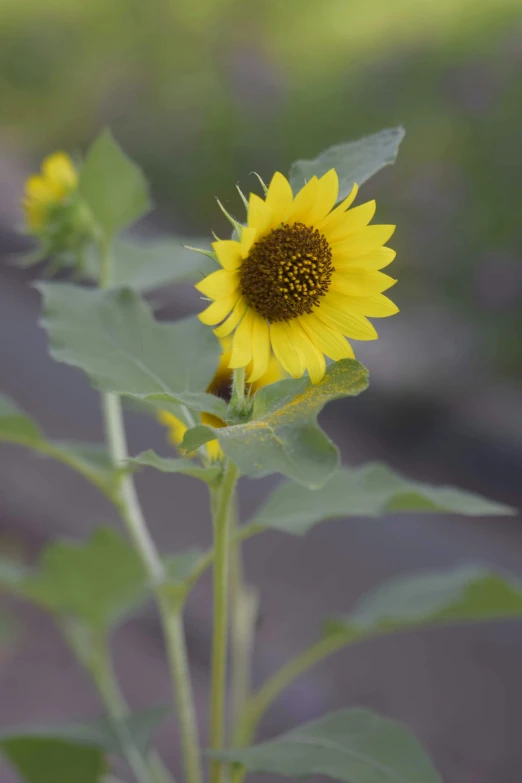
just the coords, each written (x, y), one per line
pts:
(222, 524)
(132, 515)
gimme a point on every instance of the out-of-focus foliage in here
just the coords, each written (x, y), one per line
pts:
(202, 93)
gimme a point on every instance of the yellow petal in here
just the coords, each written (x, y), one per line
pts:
(219, 284)
(360, 282)
(279, 199)
(58, 168)
(175, 426)
(313, 358)
(274, 373)
(364, 241)
(285, 351)
(303, 202)
(248, 237)
(375, 260)
(260, 349)
(350, 223)
(214, 450)
(375, 306)
(233, 319)
(38, 189)
(228, 253)
(339, 211)
(242, 342)
(258, 214)
(219, 310)
(350, 324)
(330, 341)
(326, 196)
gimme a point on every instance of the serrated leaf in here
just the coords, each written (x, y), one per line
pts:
(354, 161)
(370, 490)
(74, 751)
(114, 338)
(98, 581)
(468, 593)
(91, 460)
(113, 186)
(283, 435)
(171, 465)
(354, 746)
(145, 265)
(48, 760)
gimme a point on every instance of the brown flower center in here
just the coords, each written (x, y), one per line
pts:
(287, 272)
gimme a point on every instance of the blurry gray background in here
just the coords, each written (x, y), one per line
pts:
(202, 94)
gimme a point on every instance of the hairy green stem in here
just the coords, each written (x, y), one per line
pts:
(101, 670)
(238, 391)
(262, 699)
(130, 509)
(245, 532)
(243, 603)
(222, 520)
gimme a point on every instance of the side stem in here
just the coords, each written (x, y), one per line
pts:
(222, 519)
(244, 604)
(132, 515)
(262, 699)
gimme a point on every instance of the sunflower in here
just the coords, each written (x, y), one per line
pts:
(220, 386)
(51, 188)
(302, 276)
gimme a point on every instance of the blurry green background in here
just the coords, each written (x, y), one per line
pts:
(202, 92)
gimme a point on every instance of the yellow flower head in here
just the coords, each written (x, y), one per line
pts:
(45, 191)
(301, 277)
(220, 386)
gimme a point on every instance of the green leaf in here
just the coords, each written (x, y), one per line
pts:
(49, 760)
(91, 460)
(113, 186)
(283, 435)
(145, 265)
(99, 581)
(114, 338)
(15, 426)
(169, 465)
(467, 593)
(370, 490)
(74, 751)
(354, 161)
(354, 746)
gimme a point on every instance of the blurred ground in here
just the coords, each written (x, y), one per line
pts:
(202, 94)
